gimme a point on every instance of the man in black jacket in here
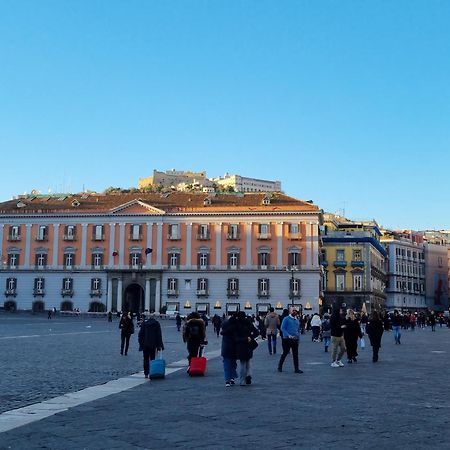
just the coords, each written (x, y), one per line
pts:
(337, 325)
(194, 334)
(150, 341)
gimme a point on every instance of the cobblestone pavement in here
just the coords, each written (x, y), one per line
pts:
(400, 402)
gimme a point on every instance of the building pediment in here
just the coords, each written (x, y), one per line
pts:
(136, 206)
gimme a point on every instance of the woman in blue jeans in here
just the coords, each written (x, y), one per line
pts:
(397, 320)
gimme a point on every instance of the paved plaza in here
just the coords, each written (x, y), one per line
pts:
(400, 402)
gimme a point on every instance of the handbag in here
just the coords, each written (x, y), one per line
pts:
(253, 344)
(362, 343)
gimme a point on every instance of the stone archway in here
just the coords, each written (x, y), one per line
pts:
(133, 298)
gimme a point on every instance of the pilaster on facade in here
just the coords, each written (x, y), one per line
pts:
(159, 241)
(122, 245)
(248, 250)
(83, 245)
(147, 295)
(26, 263)
(112, 240)
(109, 295)
(279, 226)
(119, 294)
(55, 245)
(219, 245)
(148, 259)
(308, 238)
(158, 295)
(188, 246)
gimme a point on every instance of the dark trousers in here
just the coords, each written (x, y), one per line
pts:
(288, 345)
(192, 348)
(124, 342)
(149, 354)
(375, 350)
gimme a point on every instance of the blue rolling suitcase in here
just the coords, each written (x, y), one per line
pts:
(158, 367)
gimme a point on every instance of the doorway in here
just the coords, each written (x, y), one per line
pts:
(133, 298)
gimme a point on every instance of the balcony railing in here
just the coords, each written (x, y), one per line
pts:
(11, 293)
(202, 292)
(263, 236)
(41, 238)
(67, 292)
(233, 236)
(357, 263)
(98, 237)
(70, 237)
(204, 236)
(295, 236)
(135, 237)
(263, 294)
(96, 293)
(37, 291)
(233, 292)
(340, 263)
(295, 294)
(172, 292)
(14, 237)
(174, 237)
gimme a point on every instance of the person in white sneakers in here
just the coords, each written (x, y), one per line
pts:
(316, 323)
(337, 323)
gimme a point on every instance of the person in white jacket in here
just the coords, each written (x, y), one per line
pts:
(316, 323)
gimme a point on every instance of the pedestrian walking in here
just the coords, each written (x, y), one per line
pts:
(272, 323)
(337, 325)
(49, 315)
(352, 332)
(178, 321)
(291, 330)
(110, 316)
(245, 334)
(326, 331)
(228, 351)
(126, 327)
(150, 341)
(363, 322)
(375, 332)
(396, 326)
(316, 323)
(217, 323)
(194, 334)
(432, 321)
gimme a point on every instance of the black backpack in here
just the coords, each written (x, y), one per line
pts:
(194, 331)
(326, 326)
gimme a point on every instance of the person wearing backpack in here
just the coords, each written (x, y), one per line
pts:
(326, 331)
(126, 327)
(194, 334)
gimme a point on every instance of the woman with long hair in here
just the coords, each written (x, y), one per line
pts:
(375, 330)
(352, 332)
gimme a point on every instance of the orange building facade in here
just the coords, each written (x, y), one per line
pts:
(182, 251)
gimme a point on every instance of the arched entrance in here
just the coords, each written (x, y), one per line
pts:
(133, 298)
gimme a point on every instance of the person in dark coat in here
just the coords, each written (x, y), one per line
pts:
(126, 327)
(375, 330)
(228, 351)
(245, 334)
(150, 341)
(352, 332)
(194, 335)
(178, 321)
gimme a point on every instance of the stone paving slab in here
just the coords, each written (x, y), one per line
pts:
(400, 402)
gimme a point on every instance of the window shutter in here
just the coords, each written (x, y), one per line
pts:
(198, 283)
(268, 259)
(198, 259)
(35, 283)
(206, 283)
(130, 259)
(238, 260)
(268, 284)
(176, 283)
(237, 283)
(45, 260)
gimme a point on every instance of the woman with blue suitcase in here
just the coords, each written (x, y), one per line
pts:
(150, 341)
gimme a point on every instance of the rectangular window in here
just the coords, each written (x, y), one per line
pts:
(263, 260)
(135, 232)
(293, 228)
(67, 284)
(69, 259)
(233, 231)
(135, 260)
(202, 286)
(11, 284)
(263, 287)
(98, 233)
(96, 284)
(41, 260)
(233, 261)
(174, 232)
(13, 260)
(39, 284)
(173, 260)
(340, 255)
(294, 259)
(357, 282)
(295, 286)
(97, 260)
(69, 233)
(203, 260)
(203, 232)
(357, 255)
(14, 233)
(42, 233)
(340, 282)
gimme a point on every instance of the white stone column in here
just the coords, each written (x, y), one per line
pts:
(158, 295)
(308, 239)
(147, 294)
(119, 295)
(219, 245)
(83, 244)
(188, 245)
(112, 240)
(279, 227)
(248, 231)
(315, 244)
(26, 263)
(55, 245)
(148, 258)
(159, 237)
(109, 296)
(121, 244)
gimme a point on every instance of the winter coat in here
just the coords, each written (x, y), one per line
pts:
(336, 323)
(126, 325)
(352, 330)
(195, 331)
(272, 323)
(244, 330)
(326, 328)
(375, 330)
(315, 321)
(228, 338)
(150, 335)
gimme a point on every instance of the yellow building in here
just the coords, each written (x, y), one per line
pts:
(354, 264)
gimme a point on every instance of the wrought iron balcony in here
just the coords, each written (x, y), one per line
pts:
(340, 263)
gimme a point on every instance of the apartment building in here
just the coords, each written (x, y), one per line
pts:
(246, 184)
(183, 251)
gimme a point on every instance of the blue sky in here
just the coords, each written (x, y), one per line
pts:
(346, 103)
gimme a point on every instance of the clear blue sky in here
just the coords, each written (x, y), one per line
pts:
(346, 102)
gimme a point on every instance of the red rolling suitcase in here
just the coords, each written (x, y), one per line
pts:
(197, 367)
